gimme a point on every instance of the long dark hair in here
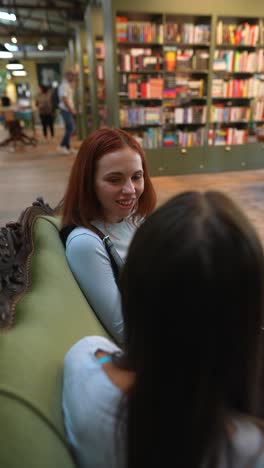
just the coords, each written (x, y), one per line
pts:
(80, 204)
(192, 296)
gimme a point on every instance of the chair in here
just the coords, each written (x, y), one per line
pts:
(12, 123)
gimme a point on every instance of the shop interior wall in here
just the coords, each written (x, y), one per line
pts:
(31, 78)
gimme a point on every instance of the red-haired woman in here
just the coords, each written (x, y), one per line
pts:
(110, 188)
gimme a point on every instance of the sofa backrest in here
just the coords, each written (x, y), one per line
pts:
(51, 315)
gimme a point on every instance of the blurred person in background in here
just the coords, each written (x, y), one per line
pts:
(67, 109)
(46, 111)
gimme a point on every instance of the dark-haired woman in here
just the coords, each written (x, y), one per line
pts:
(182, 392)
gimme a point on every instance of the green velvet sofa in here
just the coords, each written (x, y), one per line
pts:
(42, 313)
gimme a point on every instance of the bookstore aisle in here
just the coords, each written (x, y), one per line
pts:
(31, 172)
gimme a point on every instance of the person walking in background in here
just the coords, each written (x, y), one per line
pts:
(109, 187)
(46, 111)
(67, 109)
(183, 390)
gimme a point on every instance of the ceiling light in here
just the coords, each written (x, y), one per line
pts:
(11, 47)
(19, 73)
(42, 43)
(14, 39)
(4, 52)
(7, 16)
(14, 65)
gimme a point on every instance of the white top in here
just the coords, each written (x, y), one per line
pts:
(65, 90)
(91, 266)
(90, 406)
(90, 402)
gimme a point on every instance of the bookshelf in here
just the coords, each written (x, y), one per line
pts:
(236, 85)
(190, 87)
(162, 63)
(100, 79)
(186, 64)
(140, 76)
(87, 92)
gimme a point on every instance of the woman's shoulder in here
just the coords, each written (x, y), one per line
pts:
(82, 235)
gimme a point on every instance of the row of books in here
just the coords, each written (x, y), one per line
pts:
(187, 33)
(155, 138)
(139, 59)
(138, 31)
(176, 85)
(220, 113)
(100, 71)
(101, 90)
(102, 115)
(140, 115)
(151, 89)
(135, 87)
(258, 110)
(141, 86)
(237, 33)
(252, 87)
(184, 138)
(182, 59)
(149, 138)
(179, 32)
(147, 31)
(239, 61)
(227, 136)
(185, 115)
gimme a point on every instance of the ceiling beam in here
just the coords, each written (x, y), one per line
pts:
(57, 21)
(28, 33)
(6, 30)
(48, 6)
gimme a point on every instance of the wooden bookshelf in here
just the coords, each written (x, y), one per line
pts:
(236, 83)
(189, 86)
(100, 79)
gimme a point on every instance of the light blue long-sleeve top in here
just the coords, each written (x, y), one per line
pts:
(91, 404)
(91, 267)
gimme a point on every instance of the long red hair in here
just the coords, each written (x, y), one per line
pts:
(80, 205)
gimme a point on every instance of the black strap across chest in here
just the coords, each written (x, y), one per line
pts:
(116, 260)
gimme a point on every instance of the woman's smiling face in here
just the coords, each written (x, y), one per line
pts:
(119, 183)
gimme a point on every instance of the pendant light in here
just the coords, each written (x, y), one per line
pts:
(19, 73)
(4, 54)
(14, 65)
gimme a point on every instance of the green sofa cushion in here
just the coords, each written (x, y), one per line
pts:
(49, 318)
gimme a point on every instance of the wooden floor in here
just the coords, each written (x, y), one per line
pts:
(29, 172)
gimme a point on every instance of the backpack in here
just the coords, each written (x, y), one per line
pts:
(44, 103)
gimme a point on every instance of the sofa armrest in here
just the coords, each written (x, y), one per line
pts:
(46, 314)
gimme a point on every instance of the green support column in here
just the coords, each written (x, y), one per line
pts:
(92, 66)
(112, 101)
(81, 108)
(71, 53)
